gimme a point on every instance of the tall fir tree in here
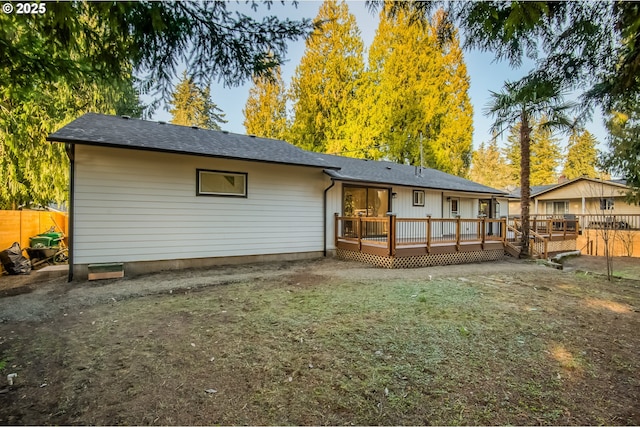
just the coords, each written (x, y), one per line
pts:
(489, 167)
(33, 171)
(512, 153)
(265, 112)
(582, 156)
(192, 106)
(323, 87)
(545, 155)
(413, 101)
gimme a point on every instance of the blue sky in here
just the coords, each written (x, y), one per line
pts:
(485, 74)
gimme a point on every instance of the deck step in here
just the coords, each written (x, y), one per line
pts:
(512, 250)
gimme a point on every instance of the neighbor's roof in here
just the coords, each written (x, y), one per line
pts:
(122, 132)
(382, 172)
(537, 190)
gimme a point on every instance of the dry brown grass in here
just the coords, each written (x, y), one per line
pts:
(311, 348)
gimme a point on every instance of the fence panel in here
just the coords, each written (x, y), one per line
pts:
(18, 226)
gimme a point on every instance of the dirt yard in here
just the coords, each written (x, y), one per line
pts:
(327, 342)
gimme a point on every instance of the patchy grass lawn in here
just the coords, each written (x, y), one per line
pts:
(532, 347)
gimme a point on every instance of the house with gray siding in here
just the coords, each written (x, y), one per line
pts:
(154, 196)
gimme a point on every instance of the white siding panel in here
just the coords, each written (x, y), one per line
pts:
(142, 206)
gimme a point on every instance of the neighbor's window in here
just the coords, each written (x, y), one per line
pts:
(218, 183)
(557, 208)
(418, 198)
(606, 204)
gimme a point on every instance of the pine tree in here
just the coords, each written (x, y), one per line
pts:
(32, 170)
(582, 156)
(489, 167)
(512, 153)
(324, 83)
(545, 155)
(265, 112)
(413, 102)
(192, 106)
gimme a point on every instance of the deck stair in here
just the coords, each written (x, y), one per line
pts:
(513, 249)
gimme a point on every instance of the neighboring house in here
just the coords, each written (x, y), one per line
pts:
(579, 196)
(157, 196)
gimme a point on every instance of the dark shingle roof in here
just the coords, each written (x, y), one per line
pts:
(114, 131)
(397, 174)
(119, 132)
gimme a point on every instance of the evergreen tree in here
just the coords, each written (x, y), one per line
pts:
(624, 144)
(582, 156)
(489, 167)
(413, 101)
(545, 155)
(192, 106)
(323, 87)
(265, 112)
(33, 171)
(512, 153)
(544, 151)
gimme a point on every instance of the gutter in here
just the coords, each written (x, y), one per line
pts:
(71, 153)
(324, 216)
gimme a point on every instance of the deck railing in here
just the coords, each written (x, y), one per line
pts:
(550, 227)
(595, 221)
(390, 235)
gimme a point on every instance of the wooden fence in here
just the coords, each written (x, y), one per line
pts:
(18, 226)
(621, 242)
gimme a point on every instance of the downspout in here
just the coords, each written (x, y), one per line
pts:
(324, 215)
(71, 153)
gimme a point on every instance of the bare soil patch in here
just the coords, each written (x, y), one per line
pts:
(326, 342)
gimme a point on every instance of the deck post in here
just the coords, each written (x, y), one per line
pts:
(483, 231)
(391, 235)
(503, 230)
(458, 228)
(359, 232)
(335, 228)
(546, 248)
(428, 247)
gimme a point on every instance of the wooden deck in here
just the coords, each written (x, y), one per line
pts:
(409, 237)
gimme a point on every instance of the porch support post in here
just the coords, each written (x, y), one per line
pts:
(458, 227)
(428, 247)
(359, 233)
(391, 238)
(335, 229)
(483, 232)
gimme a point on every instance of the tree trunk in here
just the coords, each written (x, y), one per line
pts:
(525, 190)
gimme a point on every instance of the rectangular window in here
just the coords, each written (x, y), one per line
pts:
(557, 208)
(219, 183)
(418, 198)
(606, 204)
(455, 210)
